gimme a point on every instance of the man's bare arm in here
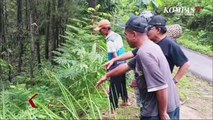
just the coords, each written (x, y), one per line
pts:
(182, 71)
(126, 56)
(162, 98)
(121, 69)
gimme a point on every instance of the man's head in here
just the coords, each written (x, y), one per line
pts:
(135, 28)
(104, 26)
(157, 26)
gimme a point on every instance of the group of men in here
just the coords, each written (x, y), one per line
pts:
(153, 60)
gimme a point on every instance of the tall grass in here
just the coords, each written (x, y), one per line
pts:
(3, 103)
(71, 107)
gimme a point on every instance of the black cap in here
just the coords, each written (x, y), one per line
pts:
(137, 23)
(157, 21)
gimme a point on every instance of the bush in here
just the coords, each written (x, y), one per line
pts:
(202, 20)
(199, 19)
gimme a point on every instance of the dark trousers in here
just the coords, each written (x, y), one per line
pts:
(117, 88)
(174, 115)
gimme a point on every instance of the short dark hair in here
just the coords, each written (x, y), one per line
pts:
(129, 30)
(132, 31)
(163, 29)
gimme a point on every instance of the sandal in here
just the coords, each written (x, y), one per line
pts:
(126, 104)
(109, 115)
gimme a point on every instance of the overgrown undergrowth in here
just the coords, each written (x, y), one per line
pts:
(66, 90)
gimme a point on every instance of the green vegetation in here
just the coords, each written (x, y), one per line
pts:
(198, 41)
(66, 90)
(197, 24)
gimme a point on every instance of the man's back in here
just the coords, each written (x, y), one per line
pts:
(172, 52)
(114, 45)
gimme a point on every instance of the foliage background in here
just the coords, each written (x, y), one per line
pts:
(66, 88)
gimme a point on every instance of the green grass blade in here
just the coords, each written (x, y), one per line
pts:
(48, 111)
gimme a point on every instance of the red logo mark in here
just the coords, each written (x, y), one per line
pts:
(198, 8)
(31, 101)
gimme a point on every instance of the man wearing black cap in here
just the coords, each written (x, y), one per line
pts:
(174, 55)
(157, 90)
(172, 51)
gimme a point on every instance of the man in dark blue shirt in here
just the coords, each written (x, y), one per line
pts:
(174, 55)
(172, 51)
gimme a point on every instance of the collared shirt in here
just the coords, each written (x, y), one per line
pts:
(114, 45)
(172, 52)
(153, 74)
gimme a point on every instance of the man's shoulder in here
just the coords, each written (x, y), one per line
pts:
(113, 37)
(149, 48)
(115, 33)
(169, 40)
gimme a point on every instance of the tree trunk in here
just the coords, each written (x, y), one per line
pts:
(1, 32)
(47, 30)
(38, 50)
(27, 25)
(2, 28)
(62, 20)
(109, 5)
(36, 33)
(20, 34)
(33, 27)
(7, 45)
(1, 19)
(92, 3)
(31, 48)
(53, 30)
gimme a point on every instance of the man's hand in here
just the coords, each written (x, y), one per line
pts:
(133, 84)
(101, 81)
(164, 116)
(108, 64)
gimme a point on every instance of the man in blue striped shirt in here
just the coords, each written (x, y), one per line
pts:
(114, 48)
